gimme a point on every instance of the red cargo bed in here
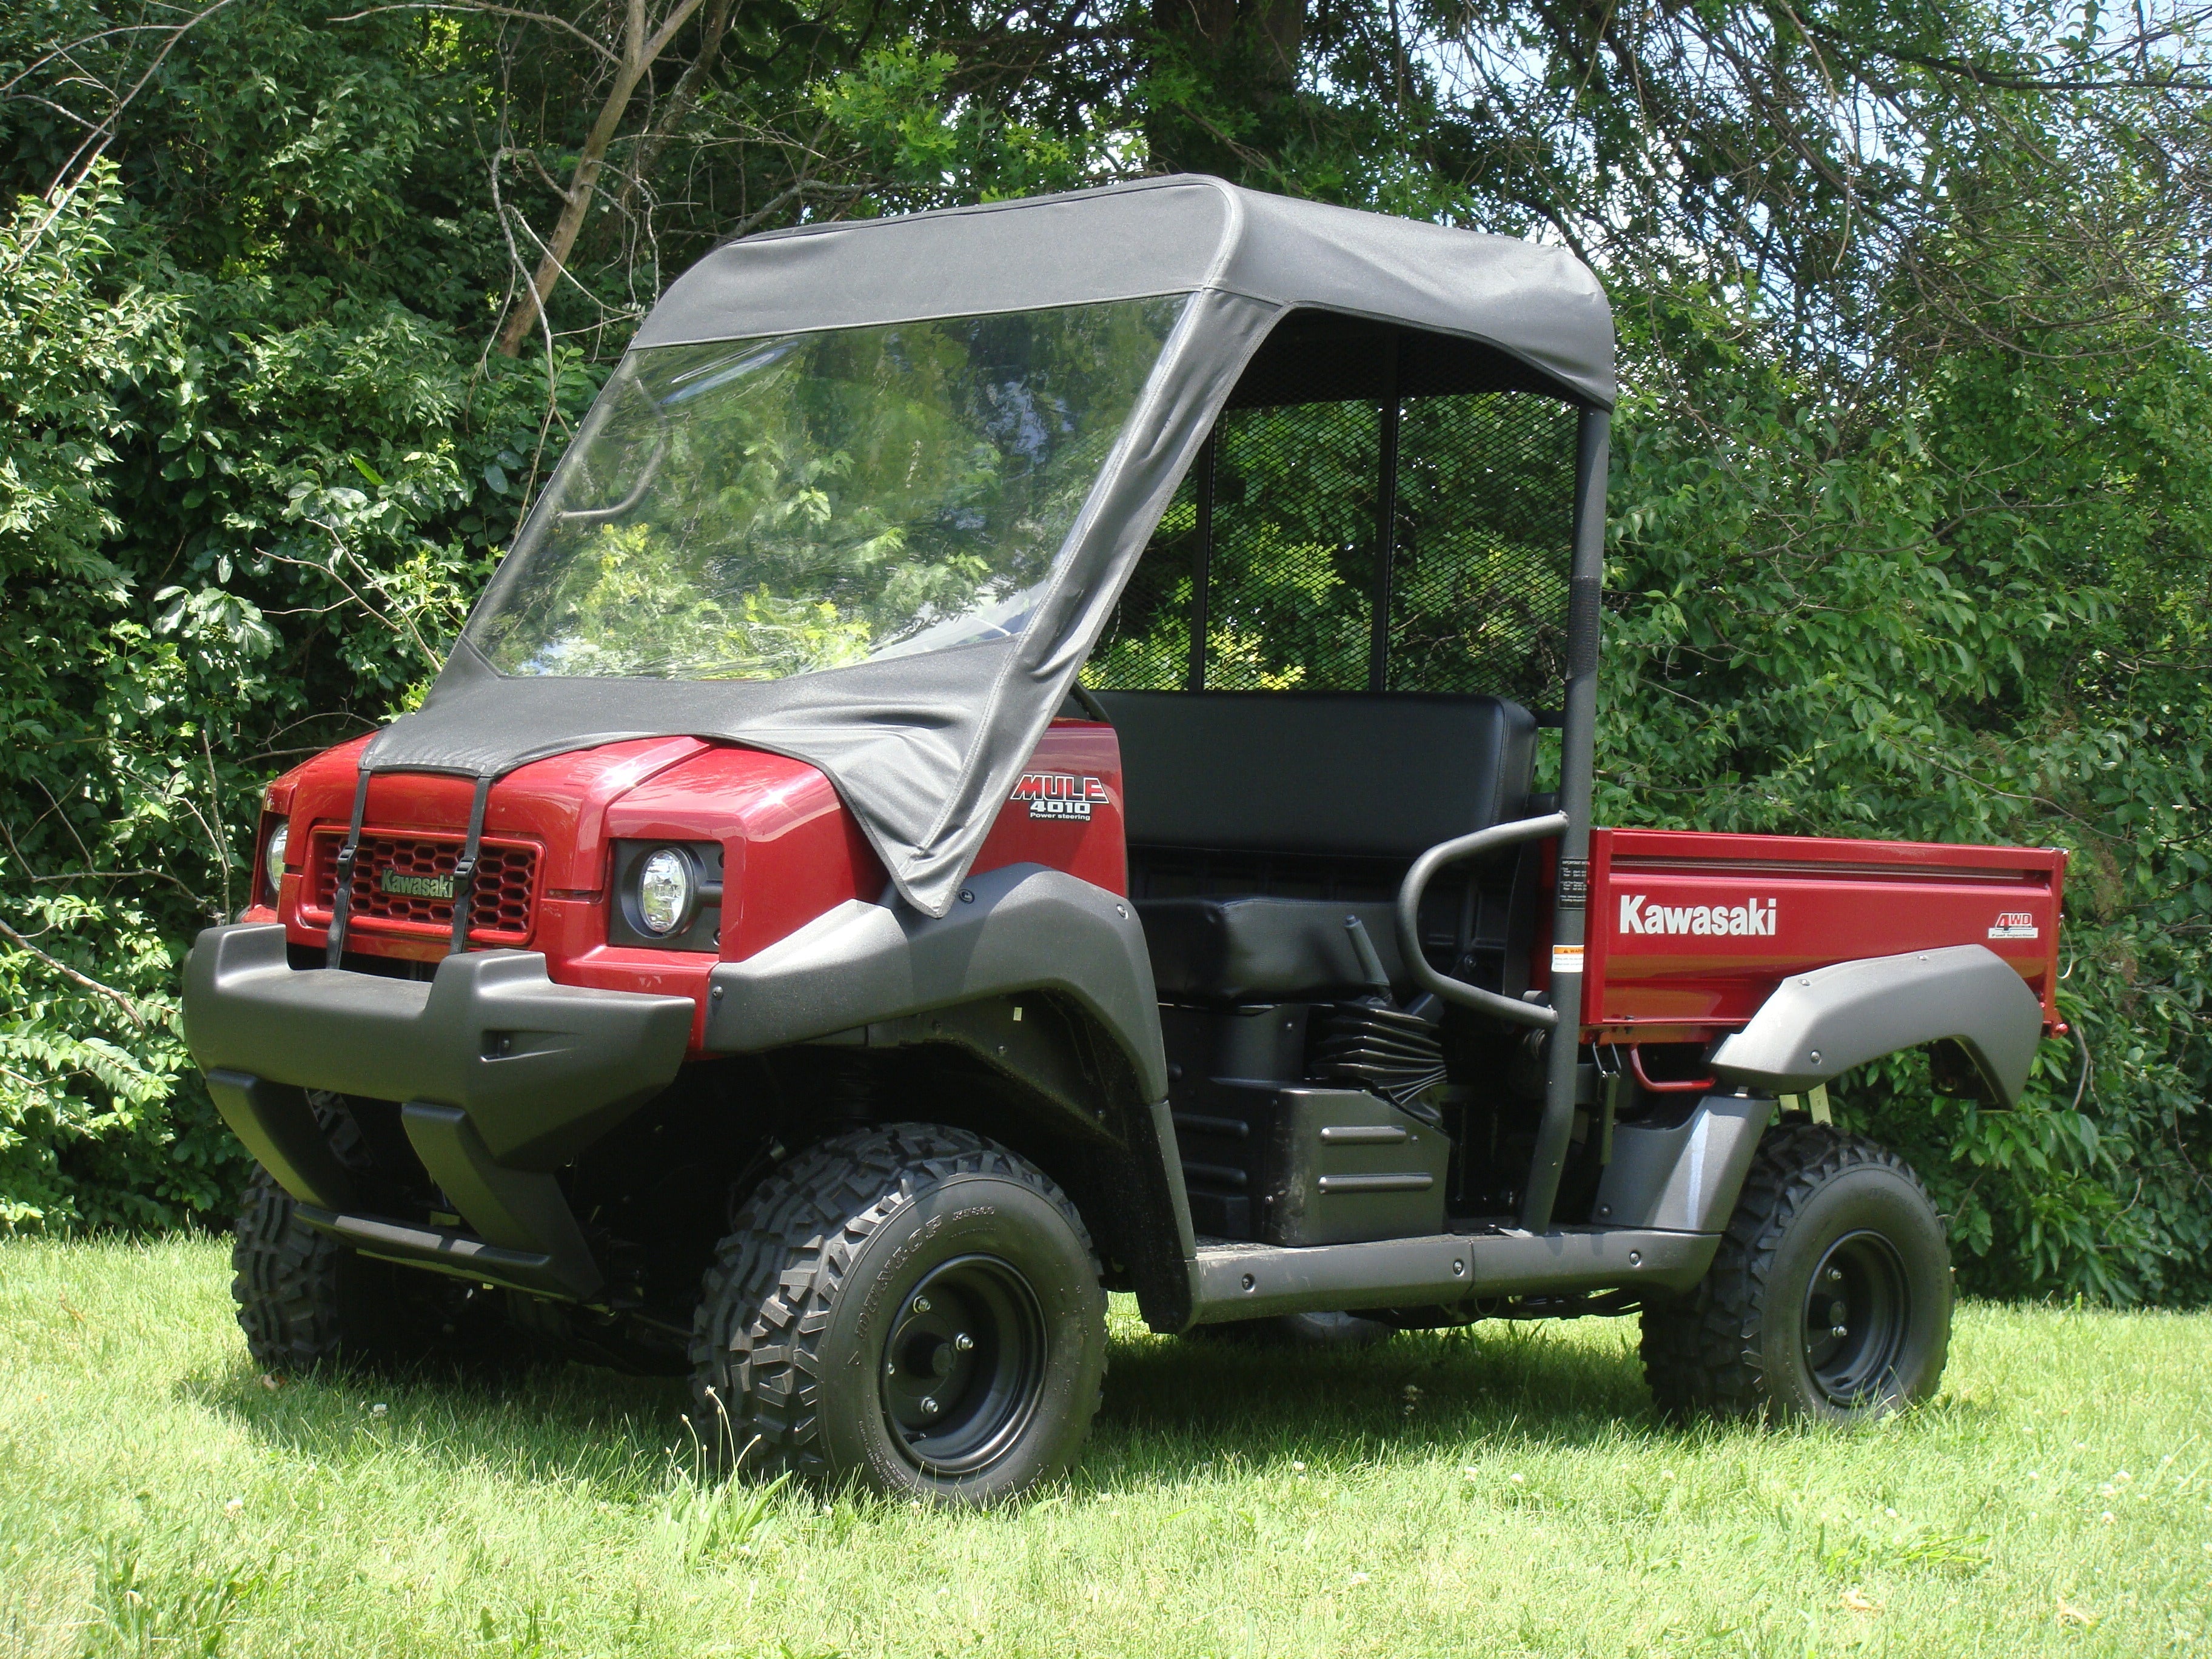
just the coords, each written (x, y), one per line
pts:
(1690, 931)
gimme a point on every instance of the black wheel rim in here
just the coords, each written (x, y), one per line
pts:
(964, 1366)
(1858, 1310)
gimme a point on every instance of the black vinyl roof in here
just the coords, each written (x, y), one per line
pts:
(1176, 235)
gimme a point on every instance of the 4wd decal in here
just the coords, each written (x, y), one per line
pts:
(1060, 794)
(1639, 916)
(2014, 924)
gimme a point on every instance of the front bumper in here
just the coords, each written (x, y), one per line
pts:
(502, 1075)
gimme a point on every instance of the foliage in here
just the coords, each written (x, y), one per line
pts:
(1909, 497)
(252, 476)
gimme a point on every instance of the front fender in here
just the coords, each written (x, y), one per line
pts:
(1021, 928)
(1819, 1025)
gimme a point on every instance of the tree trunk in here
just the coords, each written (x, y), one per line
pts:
(1245, 56)
(712, 28)
(639, 54)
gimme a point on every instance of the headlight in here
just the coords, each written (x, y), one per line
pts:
(273, 860)
(667, 887)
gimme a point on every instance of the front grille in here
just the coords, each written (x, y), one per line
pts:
(506, 877)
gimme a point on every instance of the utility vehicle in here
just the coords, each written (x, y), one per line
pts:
(1044, 749)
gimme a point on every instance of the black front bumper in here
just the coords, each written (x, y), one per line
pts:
(502, 1075)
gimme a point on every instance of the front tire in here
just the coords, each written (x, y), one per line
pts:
(307, 1301)
(912, 1307)
(1829, 1299)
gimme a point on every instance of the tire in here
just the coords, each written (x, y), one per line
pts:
(1829, 1300)
(911, 1309)
(307, 1301)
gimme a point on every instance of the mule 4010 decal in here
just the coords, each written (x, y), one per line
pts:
(1060, 794)
(1753, 917)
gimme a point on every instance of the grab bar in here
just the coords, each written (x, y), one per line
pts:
(1409, 906)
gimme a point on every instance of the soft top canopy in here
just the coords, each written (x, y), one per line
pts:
(924, 748)
(1176, 235)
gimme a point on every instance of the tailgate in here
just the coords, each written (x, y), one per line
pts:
(1690, 931)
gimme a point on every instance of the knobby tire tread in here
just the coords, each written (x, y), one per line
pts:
(307, 1301)
(284, 1273)
(1701, 1351)
(768, 1296)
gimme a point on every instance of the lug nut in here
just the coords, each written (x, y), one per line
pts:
(921, 1304)
(1835, 1275)
(1839, 1331)
(929, 1408)
(963, 1342)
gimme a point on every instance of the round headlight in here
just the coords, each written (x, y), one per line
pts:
(666, 889)
(273, 860)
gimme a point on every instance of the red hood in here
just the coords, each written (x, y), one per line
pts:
(554, 822)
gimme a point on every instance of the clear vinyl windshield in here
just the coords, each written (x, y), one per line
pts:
(758, 508)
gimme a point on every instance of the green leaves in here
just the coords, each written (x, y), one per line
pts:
(239, 521)
(1943, 617)
(1912, 511)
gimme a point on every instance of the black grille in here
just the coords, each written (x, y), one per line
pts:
(1271, 544)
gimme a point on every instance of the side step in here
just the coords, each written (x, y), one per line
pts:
(443, 1250)
(1244, 1281)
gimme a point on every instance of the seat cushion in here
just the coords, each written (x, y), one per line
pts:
(1237, 951)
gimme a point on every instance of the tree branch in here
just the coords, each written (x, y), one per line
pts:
(71, 973)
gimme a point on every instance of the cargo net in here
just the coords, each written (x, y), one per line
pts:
(1481, 530)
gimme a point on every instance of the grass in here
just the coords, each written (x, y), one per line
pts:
(1500, 1491)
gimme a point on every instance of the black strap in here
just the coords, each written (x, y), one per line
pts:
(465, 871)
(341, 899)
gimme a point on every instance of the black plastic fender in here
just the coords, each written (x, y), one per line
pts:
(1024, 927)
(1817, 1025)
(1683, 1177)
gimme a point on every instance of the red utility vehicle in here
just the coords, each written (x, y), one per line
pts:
(1044, 749)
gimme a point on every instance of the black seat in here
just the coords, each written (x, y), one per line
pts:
(1259, 821)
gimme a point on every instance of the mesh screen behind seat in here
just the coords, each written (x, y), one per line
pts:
(1275, 532)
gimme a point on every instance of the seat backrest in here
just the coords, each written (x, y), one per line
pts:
(1342, 774)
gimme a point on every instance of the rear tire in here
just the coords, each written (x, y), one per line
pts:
(1829, 1299)
(912, 1307)
(305, 1300)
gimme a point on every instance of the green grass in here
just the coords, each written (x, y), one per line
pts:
(1500, 1491)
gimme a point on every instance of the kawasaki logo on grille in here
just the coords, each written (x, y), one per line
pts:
(1639, 916)
(428, 887)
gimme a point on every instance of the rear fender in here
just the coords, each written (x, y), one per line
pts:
(1819, 1024)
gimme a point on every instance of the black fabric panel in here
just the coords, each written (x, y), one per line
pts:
(925, 748)
(1347, 774)
(1325, 356)
(1263, 950)
(1539, 305)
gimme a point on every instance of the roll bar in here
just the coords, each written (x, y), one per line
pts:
(1409, 909)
